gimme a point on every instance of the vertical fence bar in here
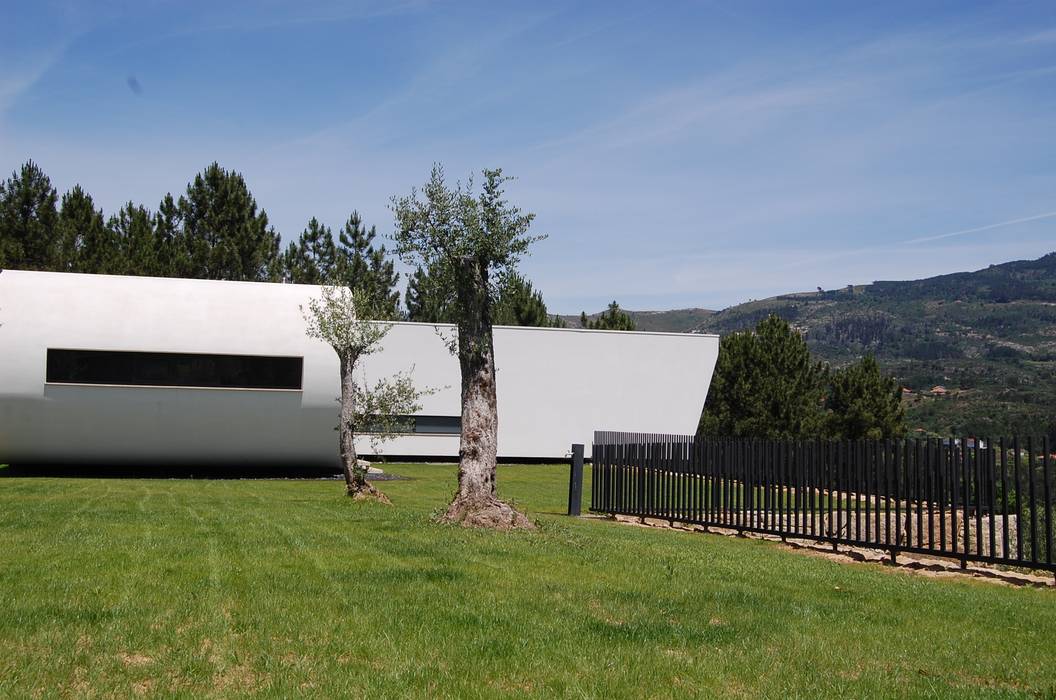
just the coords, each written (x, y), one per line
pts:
(575, 480)
(720, 481)
(772, 500)
(709, 484)
(643, 477)
(954, 490)
(1004, 502)
(966, 499)
(751, 481)
(728, 483)
(841, 487)
(829, 479)
(940, 472)
(929, 489)
(1048, 499)
(897, 479)
(854, 512)
(777, 484)
(882, 504)
(867, 480)
(991, 487)
(1019, 499)
(746, 467)
(919, 491)
(977, 473)
(797, 485)
(1033, 502)
(820, 456)
(723, 481)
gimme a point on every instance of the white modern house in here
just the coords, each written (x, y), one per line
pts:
(139, 370)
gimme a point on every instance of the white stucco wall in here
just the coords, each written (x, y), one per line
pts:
(555, 386)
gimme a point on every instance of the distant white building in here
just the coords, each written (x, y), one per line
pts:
(140, 370)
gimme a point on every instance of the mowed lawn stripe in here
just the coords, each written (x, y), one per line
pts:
(285, 588)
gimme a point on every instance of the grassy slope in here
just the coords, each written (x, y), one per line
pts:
(284, 587)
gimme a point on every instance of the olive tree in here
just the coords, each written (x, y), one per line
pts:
(346, 319)
(470, 243)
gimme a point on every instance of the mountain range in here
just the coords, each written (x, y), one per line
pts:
(975, 351)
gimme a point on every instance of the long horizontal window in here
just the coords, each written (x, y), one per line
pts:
(429, 425)
(173, 369)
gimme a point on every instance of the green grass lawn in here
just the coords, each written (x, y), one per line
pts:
(284, 588)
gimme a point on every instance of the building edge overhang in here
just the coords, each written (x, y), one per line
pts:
(134, 279)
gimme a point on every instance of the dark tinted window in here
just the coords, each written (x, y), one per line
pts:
(419, 424)
(437, 424)
(173, 369)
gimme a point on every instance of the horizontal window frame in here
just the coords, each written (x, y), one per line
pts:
(99, 385)
(51, 370)
(423, 433)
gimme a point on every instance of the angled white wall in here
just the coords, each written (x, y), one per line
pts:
(555, 386)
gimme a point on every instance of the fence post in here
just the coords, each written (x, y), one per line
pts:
(575, 480)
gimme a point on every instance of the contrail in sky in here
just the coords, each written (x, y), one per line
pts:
(1047, 215)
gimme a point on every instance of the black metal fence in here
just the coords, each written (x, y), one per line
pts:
(974, 500)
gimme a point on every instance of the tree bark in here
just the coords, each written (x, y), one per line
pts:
(476, 503)
(356, 484)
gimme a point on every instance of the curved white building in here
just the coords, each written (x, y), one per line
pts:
(140, 370)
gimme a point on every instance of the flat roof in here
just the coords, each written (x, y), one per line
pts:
(134, 279)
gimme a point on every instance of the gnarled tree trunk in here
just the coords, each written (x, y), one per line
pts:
(356, 483)
(475, 503)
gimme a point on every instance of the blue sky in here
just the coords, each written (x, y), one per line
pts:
(677, 153)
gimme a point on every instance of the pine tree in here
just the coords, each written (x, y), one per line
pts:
(28, 217)
(102, 253)
(766, 385)
(428, 300)
(134, 232)
(226, 237)
(172, 257)
(362, 265)
(80, 225)
(612, 319)
(313, 258)
(864, 403)
(519, 304)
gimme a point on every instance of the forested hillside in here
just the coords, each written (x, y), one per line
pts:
(987, 337)
(672, 321)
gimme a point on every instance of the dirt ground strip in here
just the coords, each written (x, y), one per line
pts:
(911, 563)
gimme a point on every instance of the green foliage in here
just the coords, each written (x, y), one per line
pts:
(313, 258)
(360, 264)
(173, 258)
(612, 319)
(455, 237)
(766, 385)
(344, 318)
(215, 231)
(226, 237)
(864, 403)
(520, 304)
(353, 262)
(136, 251)
(428, 300)
(28, 218)
(351, 321)
(80, 231)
